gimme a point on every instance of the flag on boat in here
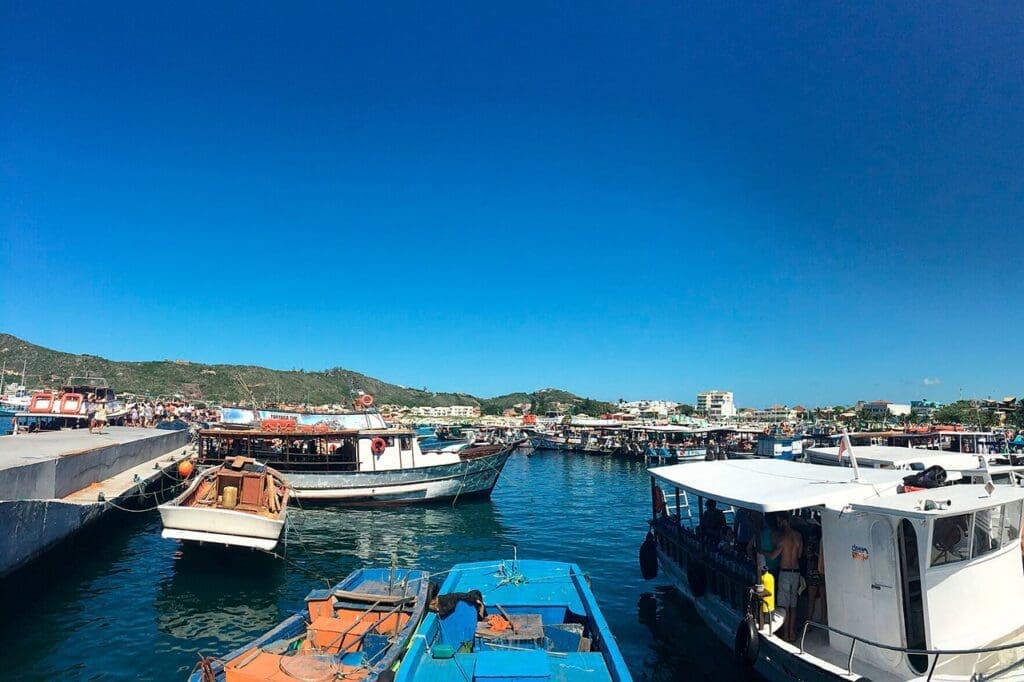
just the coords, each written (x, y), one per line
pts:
(844, 446)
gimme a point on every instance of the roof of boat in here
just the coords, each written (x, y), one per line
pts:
(771, 485)
(516, 582)
(949, 500)
(899, 455)
(308, 433)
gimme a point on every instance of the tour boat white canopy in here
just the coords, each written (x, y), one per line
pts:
(895, 457)
(771, 485)
(946, 501)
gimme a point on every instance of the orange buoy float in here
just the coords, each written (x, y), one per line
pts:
(378, 445)
(366, 400)
(185, 468)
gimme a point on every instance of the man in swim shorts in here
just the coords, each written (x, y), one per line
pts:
(789, 549)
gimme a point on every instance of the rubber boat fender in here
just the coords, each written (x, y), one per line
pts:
(748, 642)
(697, 577)
(378, 445)
(386, 676)
(649, 557)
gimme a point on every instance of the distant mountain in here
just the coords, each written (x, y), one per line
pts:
(224, 383)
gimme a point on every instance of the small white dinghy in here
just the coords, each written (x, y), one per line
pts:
(241, 502)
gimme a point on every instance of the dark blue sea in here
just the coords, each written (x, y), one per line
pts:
(120, 603)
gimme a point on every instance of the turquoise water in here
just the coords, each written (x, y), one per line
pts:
(121, 603)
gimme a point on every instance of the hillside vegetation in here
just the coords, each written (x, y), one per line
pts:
(235, 383)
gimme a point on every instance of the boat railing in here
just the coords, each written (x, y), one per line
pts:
(937, 653)
(729, 574)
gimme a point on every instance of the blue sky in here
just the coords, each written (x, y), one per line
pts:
(803, 203)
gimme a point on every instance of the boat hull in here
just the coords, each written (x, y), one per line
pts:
(472, 477)
(220, 526)
(774, 662)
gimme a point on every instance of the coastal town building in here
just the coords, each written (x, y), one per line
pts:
(880, 409)
(648, 409)
(716, 404)
(446, 411)
(774, 413)
(924, 409)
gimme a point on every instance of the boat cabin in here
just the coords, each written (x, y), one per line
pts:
(929, 581)
(289, 450)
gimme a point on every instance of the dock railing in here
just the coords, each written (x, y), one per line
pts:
(937, 653)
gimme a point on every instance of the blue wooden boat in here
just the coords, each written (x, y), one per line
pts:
(540, 621)
(357, 630)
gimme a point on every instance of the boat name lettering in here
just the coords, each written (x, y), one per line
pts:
(860, 553)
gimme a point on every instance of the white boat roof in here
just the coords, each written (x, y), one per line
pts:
(950, 500)
(899, 456)
(771, 485)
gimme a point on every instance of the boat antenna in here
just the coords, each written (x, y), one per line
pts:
(246, 389)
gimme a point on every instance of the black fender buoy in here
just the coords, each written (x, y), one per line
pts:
(748, 642)
(697, 577)
(386, 676)
(649, 557)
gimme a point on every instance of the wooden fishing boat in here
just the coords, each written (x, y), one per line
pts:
(357, 630)
(241, 502)
(514, 620)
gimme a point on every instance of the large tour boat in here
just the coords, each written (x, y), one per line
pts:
(377, 465)
(924, 584)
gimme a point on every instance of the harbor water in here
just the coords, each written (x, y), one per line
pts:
(120, 603)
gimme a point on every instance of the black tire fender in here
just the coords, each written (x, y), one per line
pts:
(748, 642)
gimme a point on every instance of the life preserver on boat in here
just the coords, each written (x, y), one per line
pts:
(378, 445)
(366, 400)
(41, 402)
(697, 577)
(748, 642)
(71, 403)
(659, 501)
(649, 557)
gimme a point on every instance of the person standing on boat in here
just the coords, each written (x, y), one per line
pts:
(789, 549)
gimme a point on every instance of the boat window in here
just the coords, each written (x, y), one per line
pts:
(1011, 522)
(950, 539)
(986, 531)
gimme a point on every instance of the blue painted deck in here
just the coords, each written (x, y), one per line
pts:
(553, 596)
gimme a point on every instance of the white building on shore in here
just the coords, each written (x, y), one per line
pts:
(716, 404)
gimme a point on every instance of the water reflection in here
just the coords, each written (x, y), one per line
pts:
(217, 594)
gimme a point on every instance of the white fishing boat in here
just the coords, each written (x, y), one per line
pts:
(922, 585)
(241, 502)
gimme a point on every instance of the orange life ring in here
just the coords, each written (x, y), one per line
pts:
(71, 403)
(378, 445)
(659, 501)
(366, 400)
(41, 402)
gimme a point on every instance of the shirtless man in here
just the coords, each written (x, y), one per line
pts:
(789, 548)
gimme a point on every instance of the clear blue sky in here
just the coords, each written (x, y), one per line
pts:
(804, 203)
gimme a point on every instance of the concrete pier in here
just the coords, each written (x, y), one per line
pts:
(50, 483)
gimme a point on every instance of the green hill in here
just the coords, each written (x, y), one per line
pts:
(224, 383)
